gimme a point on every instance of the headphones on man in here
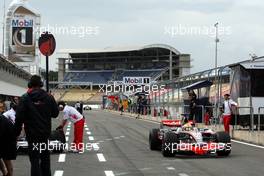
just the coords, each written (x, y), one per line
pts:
(35, 80)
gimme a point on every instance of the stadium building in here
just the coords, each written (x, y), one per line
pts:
(13, 80)
(92, 68)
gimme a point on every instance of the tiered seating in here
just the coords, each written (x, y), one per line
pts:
(102, 77)
(74, 95)
(95, 77)
(58, 94)
(97, 97)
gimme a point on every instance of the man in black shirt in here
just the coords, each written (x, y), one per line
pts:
(35, 110)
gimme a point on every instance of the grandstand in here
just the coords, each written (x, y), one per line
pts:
(13, 79)
(88, 69)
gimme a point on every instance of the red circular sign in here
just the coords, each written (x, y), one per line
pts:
(47, 44)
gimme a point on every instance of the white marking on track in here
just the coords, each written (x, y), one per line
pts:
(62, 158)
(248, 144)
(170, 168)
(87, 129)
(91, 138)
(95, 146)
(89, 132)
(67, 133)
(122, 173)
(58, 173)
(145, 169)
(183, 174)
(68, 129)
(109, 139)
(116, 137)
(101, 157)
(109, 173)
(67, 138)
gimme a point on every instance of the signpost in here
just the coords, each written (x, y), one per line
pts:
(47, 46)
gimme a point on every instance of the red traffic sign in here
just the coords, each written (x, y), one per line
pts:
(47, 44)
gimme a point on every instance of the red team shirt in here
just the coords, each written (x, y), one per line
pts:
(71, 114)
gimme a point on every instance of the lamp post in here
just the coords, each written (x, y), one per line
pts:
(216, 59)
(170, 65)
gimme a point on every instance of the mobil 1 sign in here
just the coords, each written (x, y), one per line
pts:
(47, 46)
(136, 80)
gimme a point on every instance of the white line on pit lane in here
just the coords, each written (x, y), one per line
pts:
(62, 158)
(67, 138)
(91, 138)
(248, 144)
(183, 174)
(67, 133)
(109, 173)
(101, 157)
(68, 129)
(95, 146)
(89, 133)
(58, 173)
(170, 168)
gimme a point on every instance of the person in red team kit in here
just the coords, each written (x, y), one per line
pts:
(72, 115)
(227, 111)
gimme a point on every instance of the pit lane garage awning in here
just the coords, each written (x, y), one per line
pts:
(198, 85)
(11, 89)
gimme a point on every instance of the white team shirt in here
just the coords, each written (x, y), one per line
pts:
(71, 114)
(11, 115)
(227, 105)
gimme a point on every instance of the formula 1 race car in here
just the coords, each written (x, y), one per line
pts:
(56, 142)
(174, 137)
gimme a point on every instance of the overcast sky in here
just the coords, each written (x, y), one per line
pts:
(187, 25)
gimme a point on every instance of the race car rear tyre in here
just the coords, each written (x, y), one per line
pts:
(169, 143)
(224, 138)
(59, 136)
(154, 141)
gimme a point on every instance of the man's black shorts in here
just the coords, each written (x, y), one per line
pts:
(8, 146)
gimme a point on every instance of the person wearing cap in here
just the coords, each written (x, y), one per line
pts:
(71, 114)
(35, 110)
(227, 111)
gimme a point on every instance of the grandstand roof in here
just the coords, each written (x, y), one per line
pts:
(14, 68)
(120, 49)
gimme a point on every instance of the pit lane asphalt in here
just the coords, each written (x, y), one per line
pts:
(124, 151)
